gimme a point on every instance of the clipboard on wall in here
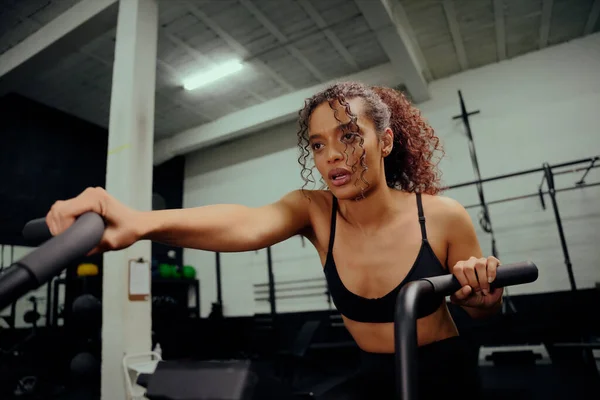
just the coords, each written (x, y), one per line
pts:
(140, 276)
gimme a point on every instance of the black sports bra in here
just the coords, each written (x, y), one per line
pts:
(381, 309)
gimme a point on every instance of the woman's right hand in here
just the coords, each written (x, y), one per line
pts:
(122, 222)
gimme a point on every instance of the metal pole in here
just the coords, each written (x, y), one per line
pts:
(561, 232)
(271, 284)
(219, 287)
(216, 311)
(485, 222)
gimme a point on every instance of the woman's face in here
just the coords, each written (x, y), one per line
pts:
(338, 154)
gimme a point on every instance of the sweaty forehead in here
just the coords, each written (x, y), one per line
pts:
(323, 118)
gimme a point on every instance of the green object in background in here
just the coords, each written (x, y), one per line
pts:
(189, 272)
(175, 272)
(164, 271)
(168, 271)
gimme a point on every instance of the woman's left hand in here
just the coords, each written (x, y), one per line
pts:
(475, 276)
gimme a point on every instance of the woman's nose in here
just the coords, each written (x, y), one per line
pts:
(334, 154)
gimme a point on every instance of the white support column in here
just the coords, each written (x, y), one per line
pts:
(127, 324)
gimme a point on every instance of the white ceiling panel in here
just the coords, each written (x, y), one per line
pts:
(519, 9)
(239, 23)
(477, 24)
(266, 87)
(481, 48)
(21, 18)
(360, 41)
(569, 18)
(288, 16)
(281, 61)
(523, 34)
(171, 11)
(336, 12)
(321, 53)
(474, 16)
(429, 22)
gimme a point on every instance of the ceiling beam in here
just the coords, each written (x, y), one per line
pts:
(545, 24)
(63, 35)
(593, 18)
(457, 39)
(294, 51)
(239, 48)
(397, 45)
(335, 41)
(500, 29)
(403, 23)
(261, 116)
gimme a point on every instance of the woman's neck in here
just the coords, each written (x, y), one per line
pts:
(377, 207)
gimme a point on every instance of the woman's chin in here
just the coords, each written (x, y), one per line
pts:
(347, 192)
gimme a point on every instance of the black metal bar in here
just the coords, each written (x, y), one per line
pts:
(568, 171)
(569, 163)
(519, 173)
(485, 220)
(197, 294)
(272, 299)
(405, 337)
(494, 178)
(537, 194)
(56, 293)
(587, 171)
(561, 233)
(418, 299)
(219, 283)
(572, 170)
(49, 303)
(472, 152)
(13, 314)
(13, 306)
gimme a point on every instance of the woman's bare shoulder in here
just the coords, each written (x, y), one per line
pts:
(314, 199)
(319, 204)
(444, 207)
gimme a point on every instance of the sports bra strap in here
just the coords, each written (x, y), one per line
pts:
(332, 227)
(421, 217)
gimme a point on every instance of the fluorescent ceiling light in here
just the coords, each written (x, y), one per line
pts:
(211, 75)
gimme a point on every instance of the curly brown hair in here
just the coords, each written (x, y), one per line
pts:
(412, 164)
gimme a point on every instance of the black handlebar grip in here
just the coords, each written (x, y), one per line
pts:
(515, 274)
(36, 231)
(506, 275)
(52, 256)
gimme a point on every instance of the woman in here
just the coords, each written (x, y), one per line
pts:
(380, 224)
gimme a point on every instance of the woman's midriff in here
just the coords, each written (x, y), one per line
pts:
(379, 337)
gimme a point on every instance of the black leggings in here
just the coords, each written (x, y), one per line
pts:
(447, 368)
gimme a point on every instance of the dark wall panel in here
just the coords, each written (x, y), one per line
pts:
(168, 187)
(47, 155)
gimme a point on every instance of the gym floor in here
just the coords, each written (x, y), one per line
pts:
(511, 89)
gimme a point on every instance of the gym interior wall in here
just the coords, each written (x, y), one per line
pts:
(530, 78)
(523, 122)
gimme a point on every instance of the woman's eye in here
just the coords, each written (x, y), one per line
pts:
(349, 136)
(315, 146)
